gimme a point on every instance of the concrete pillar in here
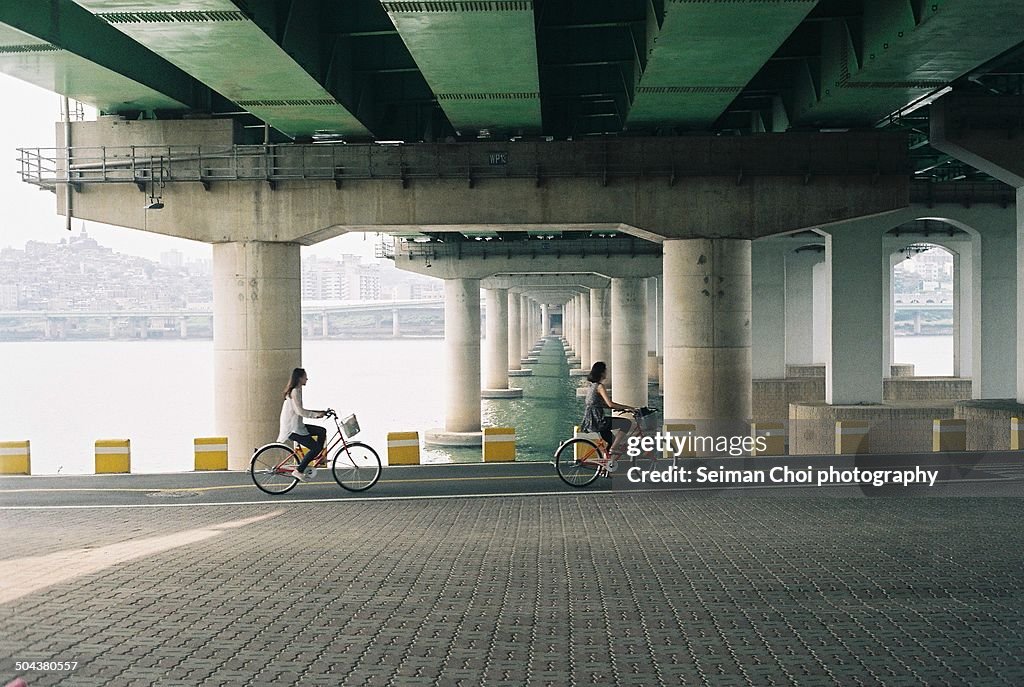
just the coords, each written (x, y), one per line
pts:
(1020, 295)
(496, 370)
(707, 286)
(768, 308)
(567, 324)
(855, 261)
(584, 336)
(325, 330)
(820, 315)
(257, 340)
(143, 328)
(525, 313)
(889, 321)
(462, 354)
(396, 327)
(652, 330)
(545, 319)
(514, 333)
(995, 295)
(112, 328)
(183, 328)
(577, 323)
(600, 327)
(661, 333)
(629, 340)
(799, 266)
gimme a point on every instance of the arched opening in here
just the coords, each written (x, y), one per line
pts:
(929, 313)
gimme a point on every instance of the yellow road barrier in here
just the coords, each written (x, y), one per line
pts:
(679, 430)
(499, 444)
(113, 455)
(851, 437)
(211, 453)
(403, 448)
(15, 458)
(774, 434)
(949, 435)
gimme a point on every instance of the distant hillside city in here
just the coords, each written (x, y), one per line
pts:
(47, 289)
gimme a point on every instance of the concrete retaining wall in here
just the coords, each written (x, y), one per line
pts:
(771, 397)
(926, 389)
(988, 422)
(894, 428)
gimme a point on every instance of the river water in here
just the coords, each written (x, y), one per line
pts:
(62, 396)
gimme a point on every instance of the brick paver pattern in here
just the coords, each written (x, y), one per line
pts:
(616, 589)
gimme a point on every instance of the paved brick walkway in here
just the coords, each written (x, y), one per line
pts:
(623, 589)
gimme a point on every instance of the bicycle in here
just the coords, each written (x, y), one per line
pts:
(580, 461)
(355, 465)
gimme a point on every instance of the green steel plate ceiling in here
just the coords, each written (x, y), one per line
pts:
(903, 52)
(46, 65)
(479, 57)
(221, 47)
(704, 54)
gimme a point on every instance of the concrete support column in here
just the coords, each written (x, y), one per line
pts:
(629, 340)
(768, 308)
(577, 323)
(324, 329)
(525, 313)
(182, 328)
(396, 328)
(963, 315)
(799, 266)
(496, 370)
(584, 336)
(652, 330)
(820, 315)
(514, 332)
(659, 280)
(257, 340)
(568, 330)
(995, 294)
(545, 319)
(889, 320)
(600, 327)
(855, 261)
(1020, 295)
(462, 355)
(707, 333)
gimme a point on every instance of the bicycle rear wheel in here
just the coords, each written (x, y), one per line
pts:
(576, 462)
(271, 469)
(356, 467)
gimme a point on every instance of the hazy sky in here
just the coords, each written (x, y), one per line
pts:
(28, 119)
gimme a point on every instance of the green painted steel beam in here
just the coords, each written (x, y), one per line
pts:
(479, 57)
(700, 55)
(222, 47)
(57, 45)
(902, 51)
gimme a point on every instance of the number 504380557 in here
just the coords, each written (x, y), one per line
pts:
(45, 665)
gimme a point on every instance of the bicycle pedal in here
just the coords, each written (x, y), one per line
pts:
(612, 466)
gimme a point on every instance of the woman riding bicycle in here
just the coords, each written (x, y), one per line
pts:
(597, 402)
(292, 426)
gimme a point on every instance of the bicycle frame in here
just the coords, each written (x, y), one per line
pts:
(636, 430)
(321, 458)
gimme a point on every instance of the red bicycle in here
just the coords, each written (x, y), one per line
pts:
(355, 465)
(580, 461)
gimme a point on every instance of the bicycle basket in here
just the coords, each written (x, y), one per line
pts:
(649, 418)
(350, 425)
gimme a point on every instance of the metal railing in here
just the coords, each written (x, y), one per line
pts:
(671, 158)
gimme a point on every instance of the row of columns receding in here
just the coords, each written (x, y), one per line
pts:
(703, 327)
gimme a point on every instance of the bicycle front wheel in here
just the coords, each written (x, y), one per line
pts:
(271, 469)
(576, 462)
(356, 467)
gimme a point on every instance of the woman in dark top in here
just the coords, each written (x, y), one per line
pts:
(597, 402)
